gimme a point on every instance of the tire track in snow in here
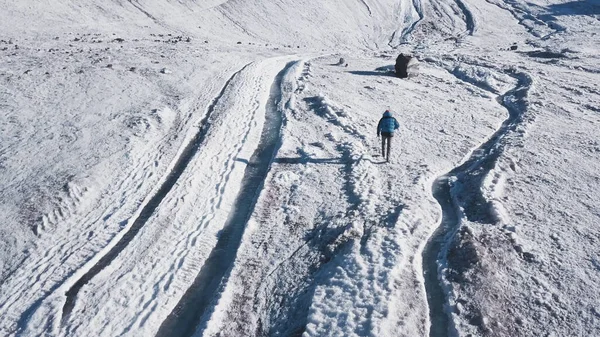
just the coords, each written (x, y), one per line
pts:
(51, 280)
(149, 207)
(45, 271)
(184, 242)
(193, 309)
(183, 248)
(469, 175)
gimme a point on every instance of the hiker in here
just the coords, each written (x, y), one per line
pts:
(386, 127)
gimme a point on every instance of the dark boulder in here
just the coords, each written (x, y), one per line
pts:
(402, 65)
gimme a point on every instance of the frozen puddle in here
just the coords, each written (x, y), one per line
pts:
(463, 183)
(191, 312)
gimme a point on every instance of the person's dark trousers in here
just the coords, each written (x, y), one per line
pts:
(386, 137)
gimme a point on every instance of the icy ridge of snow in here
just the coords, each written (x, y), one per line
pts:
(460, 184)
(484, 77)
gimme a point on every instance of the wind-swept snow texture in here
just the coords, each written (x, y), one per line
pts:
(148, 187)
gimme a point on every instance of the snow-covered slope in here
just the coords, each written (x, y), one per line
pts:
(294, 24)
(182, 168)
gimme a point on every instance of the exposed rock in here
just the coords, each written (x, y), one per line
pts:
(402, 65)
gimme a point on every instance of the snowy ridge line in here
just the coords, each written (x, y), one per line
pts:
(448, 189)
(149, 206)
(194, 309)
(71, 286)
(430, 251)
(466, 191)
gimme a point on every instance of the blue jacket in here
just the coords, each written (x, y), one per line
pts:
(387, 123)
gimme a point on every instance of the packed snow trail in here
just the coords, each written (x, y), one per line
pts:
(194, 306)
(308, 254)
(459, 194)
(148, 209)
